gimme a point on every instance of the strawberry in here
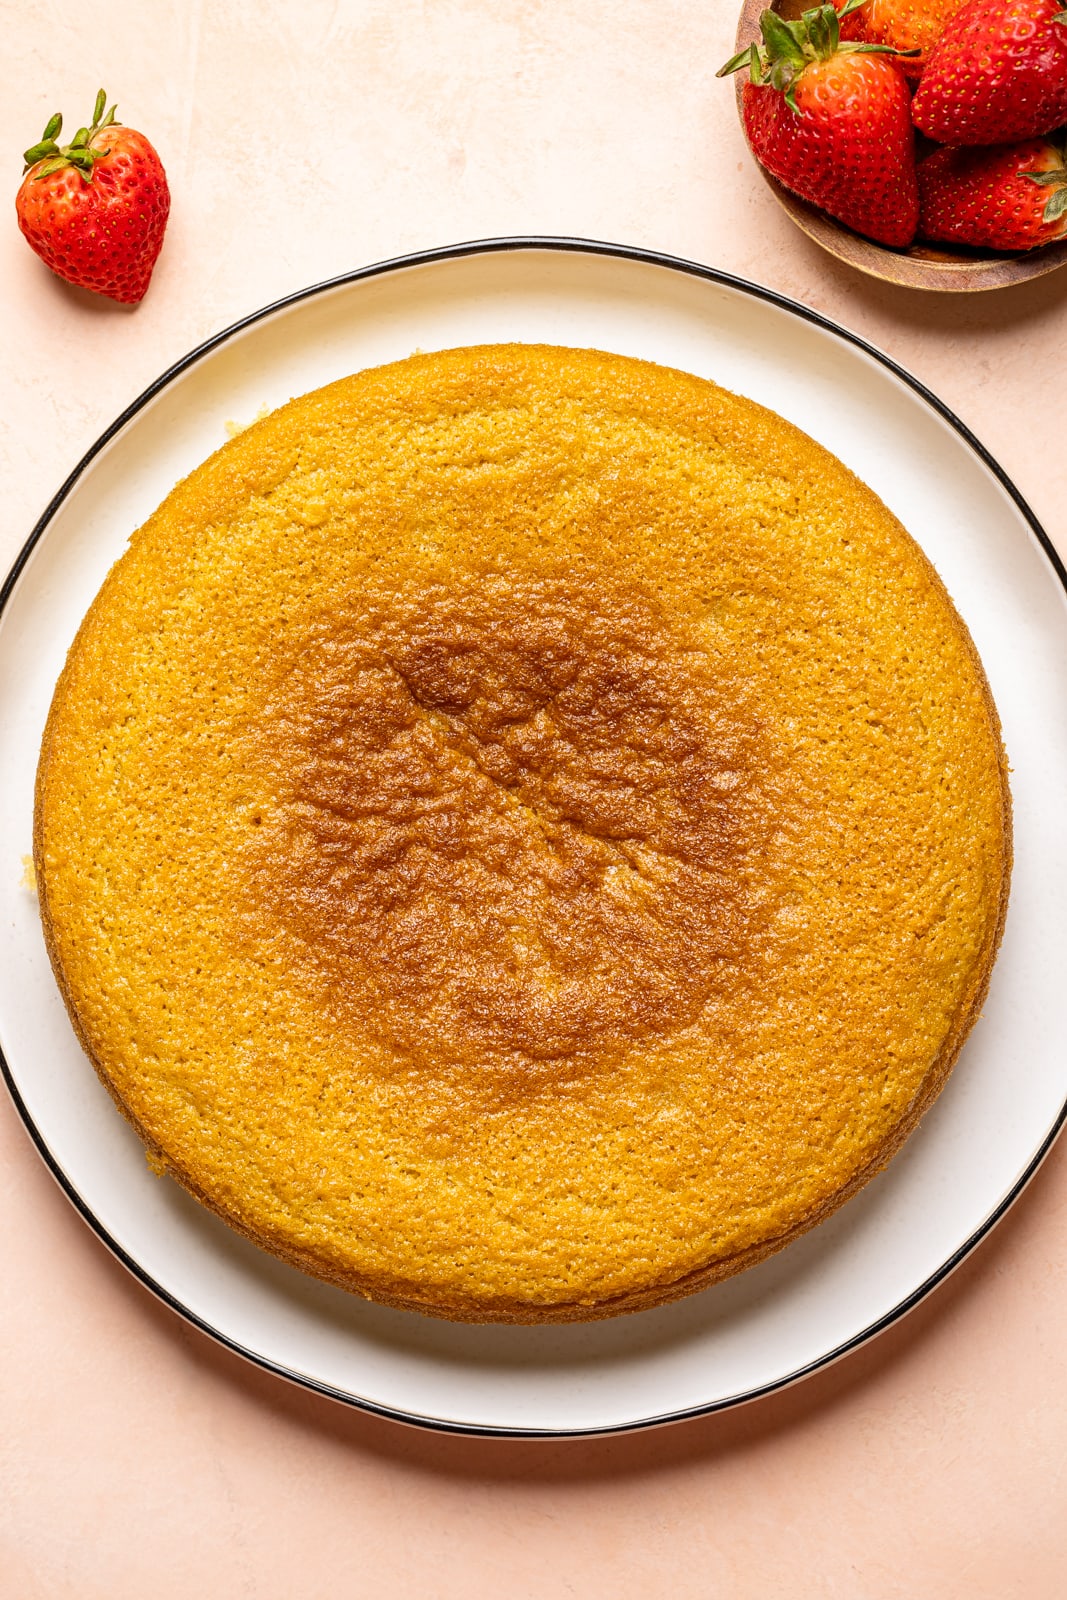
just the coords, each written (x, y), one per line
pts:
(95, 209)
(1005, 197)
(998, 73)
(906, 25)
(830, 119)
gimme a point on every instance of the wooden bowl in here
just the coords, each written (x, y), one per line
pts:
(920, 266)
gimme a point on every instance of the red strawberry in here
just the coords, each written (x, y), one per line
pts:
(95, 209)
(998, 73)
(830, 120)
(911, 25)
(1005, 197)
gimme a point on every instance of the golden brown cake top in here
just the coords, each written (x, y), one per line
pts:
(521, 828)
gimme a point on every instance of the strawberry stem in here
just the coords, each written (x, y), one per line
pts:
(79, 153)
(789, 47)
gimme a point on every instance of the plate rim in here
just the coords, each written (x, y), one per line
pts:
(427, 257)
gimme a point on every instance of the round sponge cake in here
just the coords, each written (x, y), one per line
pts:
(522, 833)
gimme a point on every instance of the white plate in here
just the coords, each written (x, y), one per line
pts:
(1005, 1100)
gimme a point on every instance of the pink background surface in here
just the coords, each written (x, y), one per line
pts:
(302, 139)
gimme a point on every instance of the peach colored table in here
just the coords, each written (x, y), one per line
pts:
(135, 1456)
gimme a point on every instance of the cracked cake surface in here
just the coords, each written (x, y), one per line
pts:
(522, 833)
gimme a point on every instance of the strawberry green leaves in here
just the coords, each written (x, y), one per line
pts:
(79, 153)
(791, 46)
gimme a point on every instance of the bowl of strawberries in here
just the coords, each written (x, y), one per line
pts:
(921, 141)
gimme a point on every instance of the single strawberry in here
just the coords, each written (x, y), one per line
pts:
(906, 25)
(1004, 197)
(95, 210)
(830, 119)
(998, 73)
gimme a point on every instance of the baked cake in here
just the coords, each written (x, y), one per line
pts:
(522, 833)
